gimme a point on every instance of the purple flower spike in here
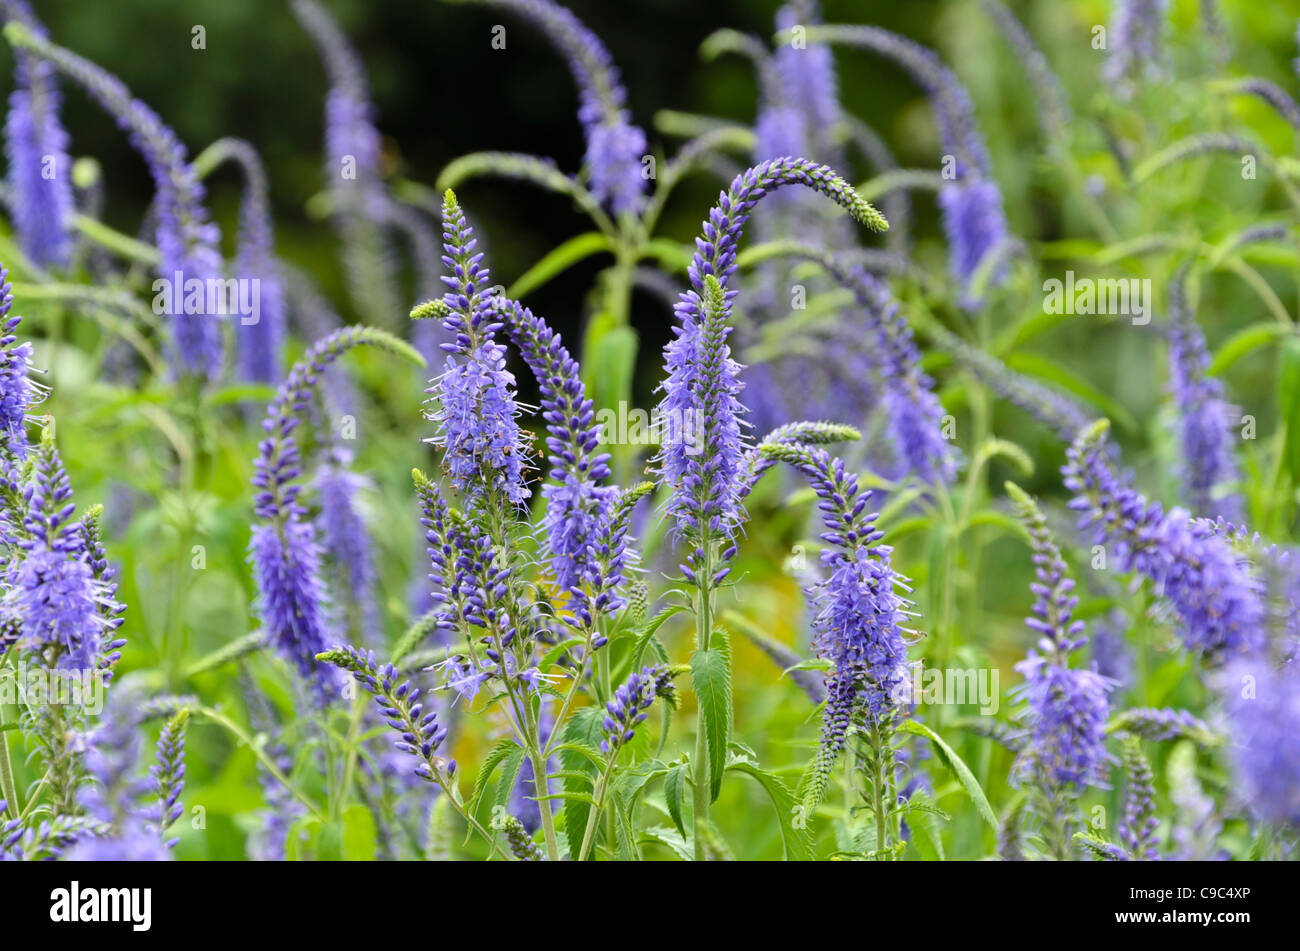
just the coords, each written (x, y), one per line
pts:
(36, 145)
(1205, 418)
(187, 241)
(615, 147)
(1216, 602)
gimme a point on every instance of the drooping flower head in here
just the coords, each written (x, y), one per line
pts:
(36, 145)
(1136, 43)
(703, 443)
(971, 204)
(1215, 600)
(1205, 439)
(284, 549)
(188, 243)
(484, 449)
(615, 147)
(914, 413)
(353, 167)
(260, 335)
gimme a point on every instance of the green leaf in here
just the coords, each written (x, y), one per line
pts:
(794, 831)
(1288, 389)
(674, 789)
(360, 838)
(608, 361)
(1242, 343)
(923, 818)
(494, 759)
(958, 768)
(711, 678)
(557, 261)
(581, 734)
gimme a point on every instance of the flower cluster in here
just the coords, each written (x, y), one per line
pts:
(630, 702)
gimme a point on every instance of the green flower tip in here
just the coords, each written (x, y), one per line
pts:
(430, 310)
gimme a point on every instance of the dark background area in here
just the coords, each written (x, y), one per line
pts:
(441, 91)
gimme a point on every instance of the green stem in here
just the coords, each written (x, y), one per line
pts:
(7, 787)
(589, 833)
(240, 734)
(700, 768)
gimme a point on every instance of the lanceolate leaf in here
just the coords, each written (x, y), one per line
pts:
(711, 677)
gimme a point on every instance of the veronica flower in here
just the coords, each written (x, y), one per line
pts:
(701, 459)
(627, 708)
(478, 430)
(284, 549)
(913, 411)
(187, 241)
(1215, 600)
(258, 346)
(134, 842)
(347, 543)
(521, 843)
(971, 205)
(1053, 105)
(615, 147)
(419, 733)
(1136, 43)
(1205, 440)
(1263, 713)
(168, 774)
(1067, 707)
(353, 166)
(36, 145)
(807, 74)
(17, 390)
(1138, 825)
(53, 591)
(858, 608)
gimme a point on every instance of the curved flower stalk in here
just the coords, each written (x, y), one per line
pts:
(911, 407)
(36, 145)
(187, 240)
(615, 147)
(702, 448)
(1066, 707)
(1215, 601)
(1136, 43)
(478, 430)
(1197, 823)
(1163, 725)
(284, 549)
(353, 167)
(859, 612)
(971, 205)
(1053, 105)
(347, 545)
(1205, 418)
(1054, 410)
(259, 345)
